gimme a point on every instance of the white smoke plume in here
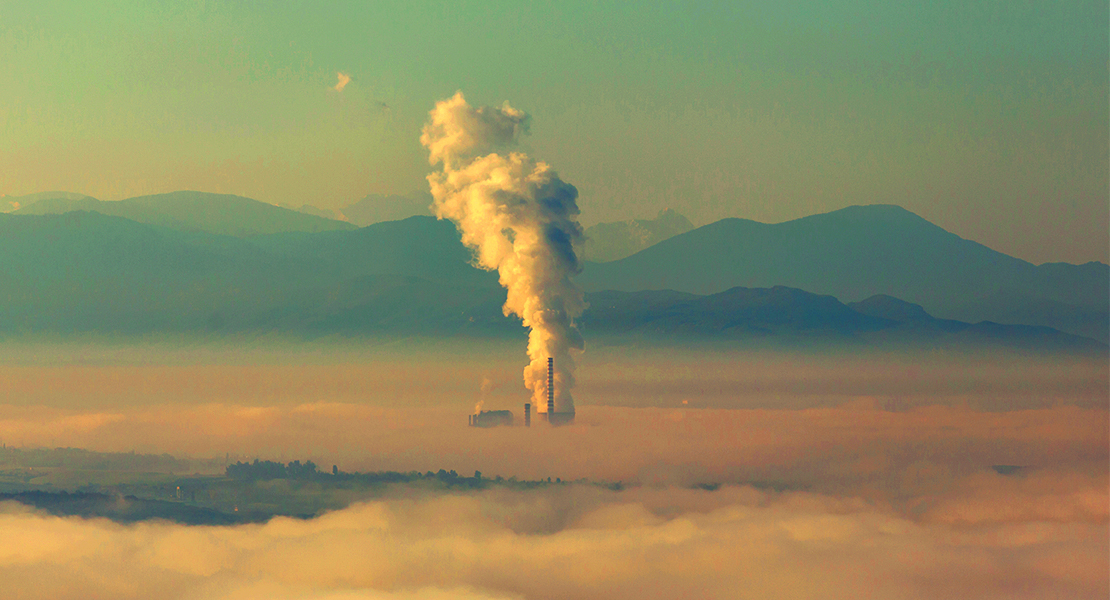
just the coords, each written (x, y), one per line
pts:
(520, 219)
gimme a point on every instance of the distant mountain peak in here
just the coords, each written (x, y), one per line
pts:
(378, 208)
(612, 241)
(189, 210)
(889, 307)
(862, 251)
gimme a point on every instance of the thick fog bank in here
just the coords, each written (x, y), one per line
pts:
(575, 542)
(855, 447)
(845, 476)
(458, 374)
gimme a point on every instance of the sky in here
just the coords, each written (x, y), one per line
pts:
(988, 118)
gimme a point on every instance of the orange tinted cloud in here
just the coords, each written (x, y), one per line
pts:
(884, 472)
(858, 449)
(571, 542)
(344, 79)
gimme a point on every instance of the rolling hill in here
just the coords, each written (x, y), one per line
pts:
(220, 214)
(14, 203)
(862, 251)
(613, 241)
(377, 208)
(89, 272)
(85, 271)
(785, 315)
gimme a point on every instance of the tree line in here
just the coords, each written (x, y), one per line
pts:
(265, 470)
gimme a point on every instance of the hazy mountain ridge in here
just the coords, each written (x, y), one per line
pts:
(220, 214)
(862, 251)
(913, 321)
(84, 271)
(791, 315)
(378, 208)
(613, 241)
(418, 246)
(739, 312)
(14, 203)
(604, 241)
(374, 208)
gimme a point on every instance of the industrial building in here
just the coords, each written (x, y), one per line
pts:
(554, 418)
(498, 418)
(491, 418)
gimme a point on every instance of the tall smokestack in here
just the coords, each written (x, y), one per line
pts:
(527, 414)
(550, 387)
(519, 218)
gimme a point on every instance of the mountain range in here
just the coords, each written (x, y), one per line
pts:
(14, 203)
(376, 208)
(792, 316)
(607, 242)
(191, 211)
(87, 271)
(861, 251)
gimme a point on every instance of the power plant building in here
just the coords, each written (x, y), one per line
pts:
(491, 418)
(554, 418)
(500, 418)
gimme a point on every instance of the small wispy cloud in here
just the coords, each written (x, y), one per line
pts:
(344, 79)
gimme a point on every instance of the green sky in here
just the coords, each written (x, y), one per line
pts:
(989, 118)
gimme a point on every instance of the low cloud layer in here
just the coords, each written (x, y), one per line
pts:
(842, 479)
(577, 542)
(454, 374)
(837, 448)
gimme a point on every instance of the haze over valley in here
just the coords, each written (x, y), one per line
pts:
(170, 340)
(181, 263)
(565, 301)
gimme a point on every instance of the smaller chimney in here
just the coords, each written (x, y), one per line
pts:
(550, 387)
(527, 414)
